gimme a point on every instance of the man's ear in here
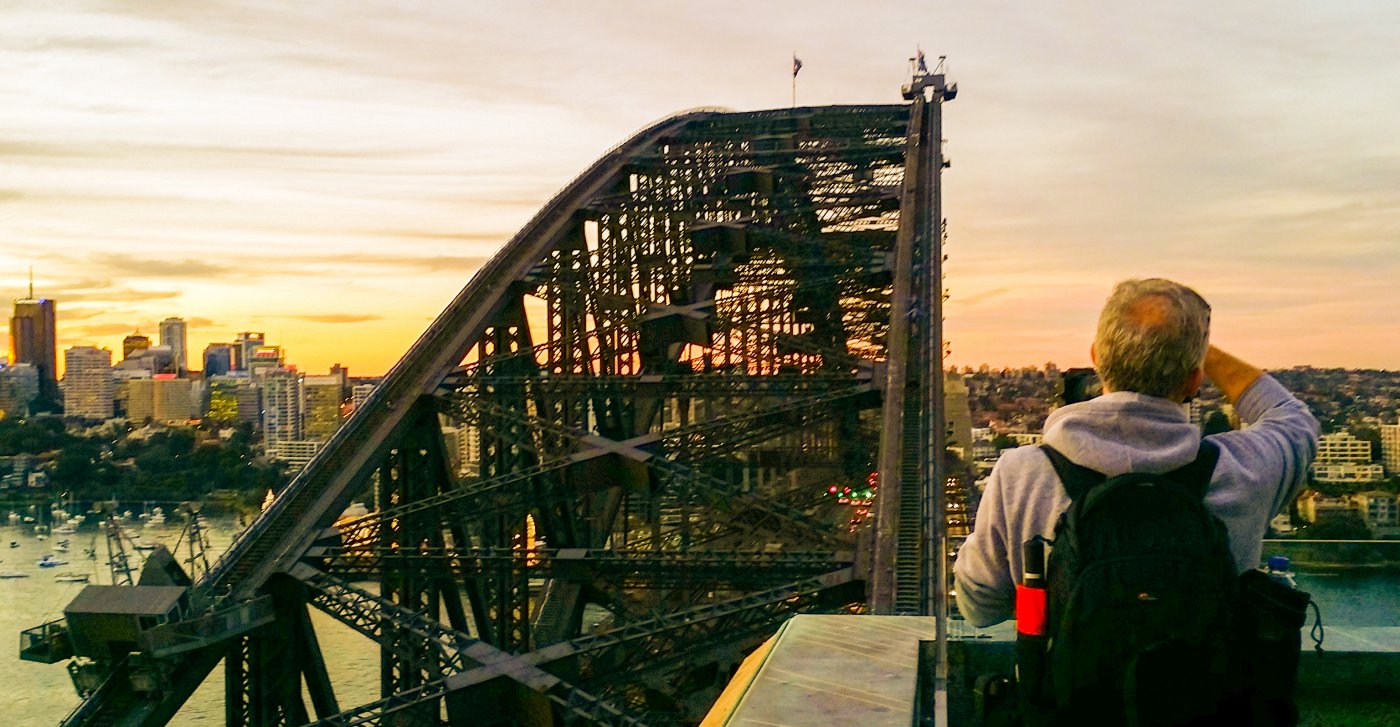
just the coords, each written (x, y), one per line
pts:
(1093, 356)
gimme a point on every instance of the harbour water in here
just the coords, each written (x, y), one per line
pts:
(41, 694)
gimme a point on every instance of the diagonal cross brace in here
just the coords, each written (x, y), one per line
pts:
(645, 636)
(496, 493)
(465, 661)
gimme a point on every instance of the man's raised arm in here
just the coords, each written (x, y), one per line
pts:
(1231, 375)
(1280, 440)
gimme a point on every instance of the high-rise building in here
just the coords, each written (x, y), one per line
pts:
(88, 389)
(250, 404)
(123, 378)
(359, 394)
(172, 334)
(321, 406)
(139, 395)
(156, 359)
(134, 344)
(343, 373)
(221, 398)
(264, 360)
(163, 398)
(1338, 473)
(174, 399)
(218, 359)
(463, 445)
(1340, 447)
(958, 412)
(34, 341)
(1390, 448)
(296, 453)
(1378, 508)
(246, 342)
(281, 415)
(19, 387)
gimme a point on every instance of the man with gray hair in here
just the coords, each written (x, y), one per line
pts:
(1152, 353)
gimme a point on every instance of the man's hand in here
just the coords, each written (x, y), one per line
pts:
(1231, 375)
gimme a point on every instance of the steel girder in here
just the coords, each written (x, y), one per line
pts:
(426, 646)
(631, 659)
(609, 568)
(656, 383)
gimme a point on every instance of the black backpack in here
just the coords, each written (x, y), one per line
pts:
(1143, 609)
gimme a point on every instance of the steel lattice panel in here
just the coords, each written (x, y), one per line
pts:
(655, 383)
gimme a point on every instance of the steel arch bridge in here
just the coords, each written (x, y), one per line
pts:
(639, 439)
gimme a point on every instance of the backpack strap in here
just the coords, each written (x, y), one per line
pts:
(1078, 479)
(1195, 475)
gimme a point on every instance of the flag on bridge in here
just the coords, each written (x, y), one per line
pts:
(923, 67)
(796, 65)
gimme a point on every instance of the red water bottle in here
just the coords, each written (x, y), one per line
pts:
(1031, 606)
(1032, 629)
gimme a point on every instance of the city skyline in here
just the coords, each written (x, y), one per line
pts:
(248, 166)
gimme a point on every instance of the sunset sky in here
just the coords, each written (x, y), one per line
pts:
(332, 173)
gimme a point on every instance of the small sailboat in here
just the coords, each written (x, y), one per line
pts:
(71, 578)
(50, 561)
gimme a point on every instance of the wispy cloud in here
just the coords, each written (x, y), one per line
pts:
(82, 313)
(427, 263)
(984, 295)
(130, 265)
(337, 318)
(118, 295)
(98, 330)
(161, 146)
(460, 235)
(91, 42)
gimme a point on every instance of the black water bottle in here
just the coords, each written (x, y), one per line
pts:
(1032, 631)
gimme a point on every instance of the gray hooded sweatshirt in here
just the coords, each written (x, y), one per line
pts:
(1260, 470)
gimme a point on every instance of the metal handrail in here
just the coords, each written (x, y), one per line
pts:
(194, 632)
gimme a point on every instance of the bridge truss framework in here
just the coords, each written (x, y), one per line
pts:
(638, 440)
